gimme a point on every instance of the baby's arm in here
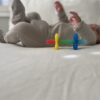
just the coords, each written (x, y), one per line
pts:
(60, 12)
(83, 29)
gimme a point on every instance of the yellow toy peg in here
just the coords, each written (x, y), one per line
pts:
(56, 41)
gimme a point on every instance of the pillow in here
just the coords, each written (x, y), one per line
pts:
(87, 9)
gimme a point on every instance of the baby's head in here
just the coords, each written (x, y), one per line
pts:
(33, 16)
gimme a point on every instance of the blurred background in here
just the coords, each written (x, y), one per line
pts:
(4, 2)
(4, 14)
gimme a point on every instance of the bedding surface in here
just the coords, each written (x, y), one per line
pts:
(49, 74)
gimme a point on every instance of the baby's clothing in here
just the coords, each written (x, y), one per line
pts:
(36, 33)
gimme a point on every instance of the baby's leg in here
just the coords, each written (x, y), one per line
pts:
(83, 29)
(63, 26)
(60, 12)
(87, 33)
(98, 34)
(96, 29)
(18, 12)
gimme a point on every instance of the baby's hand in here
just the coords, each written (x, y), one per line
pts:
(75, 17)
(74, 20)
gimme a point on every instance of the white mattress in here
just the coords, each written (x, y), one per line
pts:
(47, 74)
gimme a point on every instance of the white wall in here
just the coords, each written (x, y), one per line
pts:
(88, 9)
(4, 23)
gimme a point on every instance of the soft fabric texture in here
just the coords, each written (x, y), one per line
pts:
(47, 74)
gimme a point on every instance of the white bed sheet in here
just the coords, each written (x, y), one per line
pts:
(47, 74)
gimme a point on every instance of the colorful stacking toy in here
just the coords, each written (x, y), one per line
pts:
(75, 42)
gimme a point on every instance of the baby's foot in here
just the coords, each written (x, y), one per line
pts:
(58, 6)
(75, 20)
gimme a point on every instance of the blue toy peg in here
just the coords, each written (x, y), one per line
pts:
(76, 41)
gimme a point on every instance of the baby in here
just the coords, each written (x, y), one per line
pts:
(32, 31)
